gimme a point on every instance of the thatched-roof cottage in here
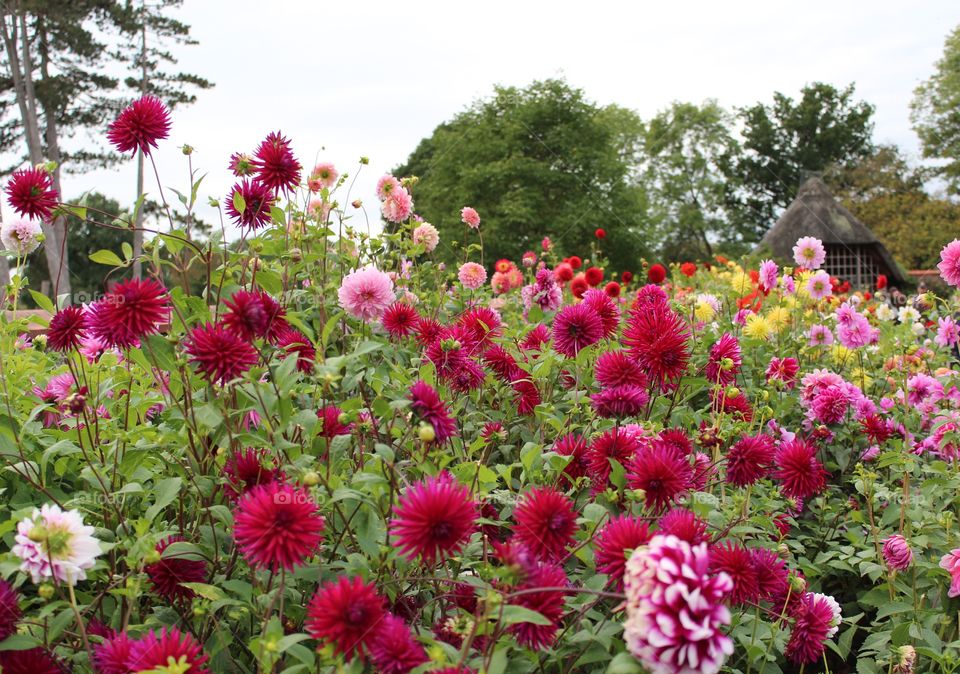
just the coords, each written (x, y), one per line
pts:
(853, 252)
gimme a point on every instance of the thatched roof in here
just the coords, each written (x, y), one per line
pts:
(815, 212)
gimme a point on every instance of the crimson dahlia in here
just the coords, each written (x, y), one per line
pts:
(661, 473)
(400, 319)
(277, 525)
(736, 561)
(345, 614)
(68, 328)
(168, 575)
(244, 470)
(749, 459)
(800, 473)
(30, 661)
(9, 609)
(140, 125)
(31, 194)
(659, 340)
(428, 408)
(131, 310)
(575, 327)
(249, 204)
(157, 649)
(614, 543)
(254, 314)
(394, 650)
(434, 519)
(220, 355)
(275, 164)
(546, 523)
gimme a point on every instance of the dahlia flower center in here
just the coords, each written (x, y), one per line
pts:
(56, 542)
(556, 522)
(441, 530)
(356, 615)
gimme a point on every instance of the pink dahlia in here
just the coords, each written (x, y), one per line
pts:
(249, 204)
(545, 292)
(254, 315)
(346, 614)
(768, 275)
(130, 310)
(169, 573)
(951, 562)
(366, 293)
(662, 473)
(606, 309)
(615, 368)
(220, 356)
(830, 405)
(277, 525)
(897, 553)
(724, 361)
(470, 217)
(426, 235)
(749, 459)
(575, 327)
(31, 194)
(398, 206)
(387, 185)
(948, 332)
(816, 620)
(140, 125)
(809, 252)
(113, 655)
(323, 175)
(615, 542)
(546, 523)
(428, 408)
(685, 525)
(800, 473)
(158, 649)
(472, 275)
(394, 650)
(275, 164)
(434, 519)
(783, 369)
(67, 329)
(292, 342)
(675, 608)
(949, 264)
(819, 285)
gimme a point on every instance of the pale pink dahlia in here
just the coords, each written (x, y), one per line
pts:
(398, 206)
(21, 235)
(470, 217)
(809, 252)
(53, 543)
(819, 286)
(949, 265)
(768, 275)
(427, 235)
(323, 175)
(472, 275)
(366, 293)
(675, 608)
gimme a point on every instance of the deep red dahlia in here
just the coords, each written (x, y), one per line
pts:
(800, 473)
(451, 357)
(400, 319)
(525, 394)
(113, 655)
(294, 342)
(428, 408)
(249, 204)
(9, 609)
(615, 368)
(30, 193)
(434, 519)
(155, 650)
(812, 627)
(575, 327)
(427, 330)
(30, 661)
(579, 286)
(547, 602)
(131, 310)
(167, 575)
(616, 444)
(546, 523)
(724, 361)
(574, 446)
(614, 543)
(254, 314)
(606, 309)
(483, 323)
(736, 561)
(563, 272)
(620, 401)
(737, 406)
(277, 525)
(678, 439)
(245, 469)
(536, 338)
(503, 364)
(749, 459)
(345, 614)
(593, 276)
(657, 273)
(97, 628)
(67, 328)
(612, 289)
(659, 340)
(275, 164)
(772, 575)
(661, 473)
(683, 524)
(220, 355)
(394, 650)
(140, 126)
(626, 276)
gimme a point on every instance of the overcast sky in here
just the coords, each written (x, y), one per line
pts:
(363, 78)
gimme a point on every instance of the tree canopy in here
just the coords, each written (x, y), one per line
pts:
(935, 113)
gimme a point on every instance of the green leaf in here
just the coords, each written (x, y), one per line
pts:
(107, 257)
(513, 614)
(127, 250)
(165, 490)
(43, 302)
(18, 642)
(211, 592)
(624, 663)
(238, 202)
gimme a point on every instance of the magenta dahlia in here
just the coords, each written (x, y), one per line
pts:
(737, 562)
(685, 525)
(606, 309)
(428, 408)
(113, 655)
(10, 613)
(772, 574)
(615, 542)
(68, 328)
(168, 575)
(724, 361)
(140, 125)
(575, 447)
(434, 519)
(483, 323)
(661, 473)
(275, 164)
(156, 650)
(800, 473)
(254, 314)
(615, 368)
(277, 525)
(220, 355)
(620, 401)
(660, 341)
(547, 600)
(394, 650)
(249, 204)
(897, 553)
(30, 661)
(816, 620)
(131, 310)
(400, 319)
(575, 327)
(546, 523)
(749, 459)
(245, 470)
(31, 194)
(617, 444)
(536, 338)
(294, 343)
(332, 422)
(345, 614)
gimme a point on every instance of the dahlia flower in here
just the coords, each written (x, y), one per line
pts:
(21, 236)
(783, 369)
(620, 401)
(220, 355)
(949, 264)
(292, 342)
(398, 206)
(345, 614)
(470, 217)
(818, 285)
(948, 333)
(159, 649)
(809, 252)
(37, 660)
(275, 165)
(323, 175)
(394, 650)
(951, 562)
(433, 519)
(685, 525)
(387, 185)
(10, 613)
(546, 523)
(544, 292)
(575, 327)
(675, 608)
(897, 553)
(428, 408)
(800, 473)
(400, 319)
(614, 543)
(131, 310)
(606, 308)
(169, 573)
(659, 340)
(768, 275)
(816, 620)
(617, 444)
(366, 293)
(426, 235)
(67, 329)
(656, 274)
(472, 275)
(277, 525)
(662, 473)
(112, 656)
(140, 125)
(724, 361)
(244, 470)
(737, 562)
(249, 204)
(749, 459)
(53, 543)
(31, 194)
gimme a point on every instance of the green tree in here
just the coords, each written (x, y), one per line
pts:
(783, 143)
(542, 160)
(935, 113)
(683, 149)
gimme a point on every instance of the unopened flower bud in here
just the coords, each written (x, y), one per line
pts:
(356, 203)
(427, 433)
(187, 150)
(46, 591)
(311, 478)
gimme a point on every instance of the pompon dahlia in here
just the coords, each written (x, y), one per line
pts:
(68, 328)
(400, 319)
(434, 519)
(575, 447)
(220, 355)
(277, 525)
(615, 368)
(615, 542)
(345, 614)
(131, 310)
(897, 553)
(275, 164)
(800, 473)
(113, 655)
(736, 561)
(772, 574)
(30, 193)
(394, 650)
(366, 293)
(617, 444)
(546, 523)
(167, 575)
(661, 473)
(685, 525)
(30, 661)
(575, 327)
(249, 204)
(157, 649)
(620, 401)
(675, 608)
(428, 408)
(254, 315)
(724, 361)
(816, 620)
(9, 609)
(140, 125)
(245, 470)
(660, 341)
(294, 343)
(749, 459)
(606, 309)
